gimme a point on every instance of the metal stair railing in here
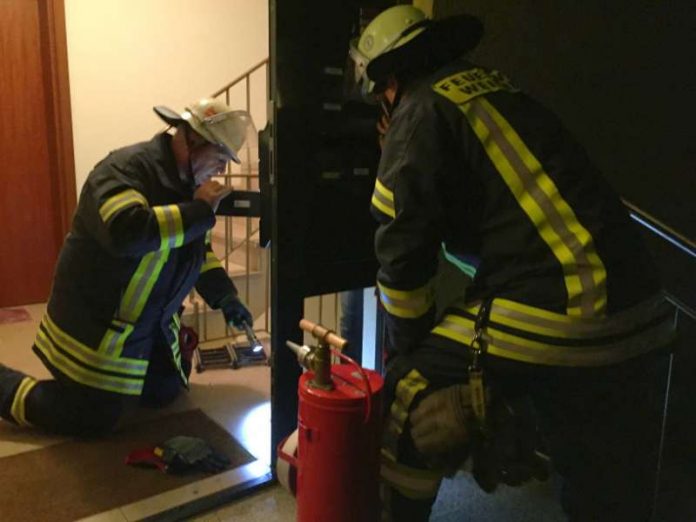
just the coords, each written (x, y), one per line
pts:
(247, 177)
(686, 246)
(671, 236)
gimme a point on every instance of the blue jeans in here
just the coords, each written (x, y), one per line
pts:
(352, 322)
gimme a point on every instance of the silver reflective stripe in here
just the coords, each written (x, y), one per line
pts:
(538, 196)
(557, 325)
(406, 390)
(18, 410)
(134, 300)
(171, 228)
(407, 304)
(551, 324)
(175, 327)
(120, 201)
(509, 346)
(383, 199)
(89, 356)
(87, 375)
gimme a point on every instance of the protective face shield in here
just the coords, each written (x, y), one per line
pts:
(211, 159)
(390, 30)
(215, 122)
(207, 160)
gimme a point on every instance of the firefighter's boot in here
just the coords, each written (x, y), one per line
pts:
(14, 388)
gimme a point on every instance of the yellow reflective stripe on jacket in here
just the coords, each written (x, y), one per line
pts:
(171, 226)
(133, 302)
(18, 410)
(122, 200)
(537, 195)
(544, 322)
(88, 376)
(406, 390)
(115, 337)
(411, 482)
(559, 350)
(89, 356)
(383, 199)
(141, 284)
(211, 261)
(407, 304)
(175, 327)
(570, 242)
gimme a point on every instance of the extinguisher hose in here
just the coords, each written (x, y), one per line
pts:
(368, 406)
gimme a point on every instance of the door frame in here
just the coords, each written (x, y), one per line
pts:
(54, 52)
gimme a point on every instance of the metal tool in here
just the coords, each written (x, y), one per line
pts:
(254, 342)
(232, 354)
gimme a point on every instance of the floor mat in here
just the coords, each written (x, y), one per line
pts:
(76, 479)
(14, 315)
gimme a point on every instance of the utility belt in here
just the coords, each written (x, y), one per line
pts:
(532, 335)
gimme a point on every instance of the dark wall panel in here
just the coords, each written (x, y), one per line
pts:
(621, 74)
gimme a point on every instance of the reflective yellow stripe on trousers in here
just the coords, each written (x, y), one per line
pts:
(18, 410)
(86, 366)
(406, 390)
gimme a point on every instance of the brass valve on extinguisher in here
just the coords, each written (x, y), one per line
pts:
(318, 358)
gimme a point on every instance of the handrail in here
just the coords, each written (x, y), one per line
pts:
(681, 305)
(671, 236)
(660, 229)
(239, 79)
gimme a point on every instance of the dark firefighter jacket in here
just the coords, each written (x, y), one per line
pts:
(472, 165)
(137, 246)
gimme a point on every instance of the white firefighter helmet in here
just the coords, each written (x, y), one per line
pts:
(215, 121)
(389, 30)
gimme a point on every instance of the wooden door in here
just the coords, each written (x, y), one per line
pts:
(37, 192)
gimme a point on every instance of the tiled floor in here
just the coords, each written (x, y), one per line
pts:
(237, 399)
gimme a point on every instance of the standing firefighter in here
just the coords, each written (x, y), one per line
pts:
(563, 324)
(139, 243)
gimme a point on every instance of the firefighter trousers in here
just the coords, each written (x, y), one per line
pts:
(600, 426)
(64, 407)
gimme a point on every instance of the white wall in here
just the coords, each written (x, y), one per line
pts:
(125, 56)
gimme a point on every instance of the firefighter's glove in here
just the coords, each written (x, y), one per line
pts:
(439, 424)
(235, 312)
(505, 451)
(183, 454)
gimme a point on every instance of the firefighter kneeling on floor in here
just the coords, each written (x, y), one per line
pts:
(563, 329)
(139, 243)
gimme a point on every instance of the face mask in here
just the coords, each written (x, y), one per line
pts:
(207, 161)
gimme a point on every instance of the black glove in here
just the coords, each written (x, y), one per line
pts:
(181, 454)
(235, 312)
(504, 451)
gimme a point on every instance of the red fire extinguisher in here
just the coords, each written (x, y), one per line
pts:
(336, 460)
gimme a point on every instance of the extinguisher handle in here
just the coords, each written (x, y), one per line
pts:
(323, 334)
(368, 388)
